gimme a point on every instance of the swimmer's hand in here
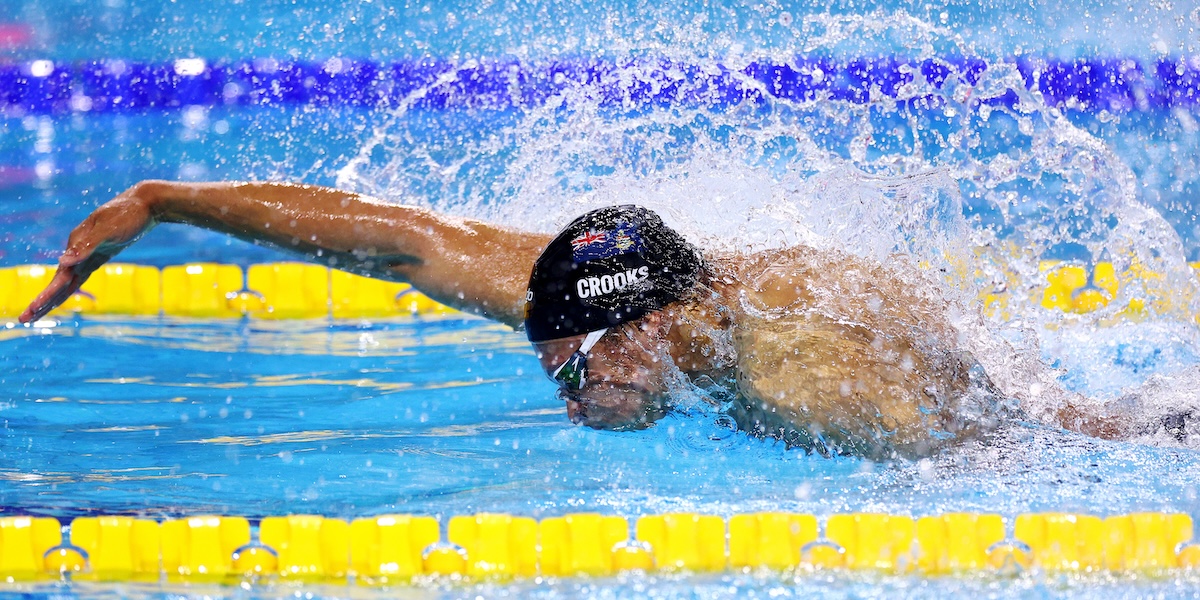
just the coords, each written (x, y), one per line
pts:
(100, 236)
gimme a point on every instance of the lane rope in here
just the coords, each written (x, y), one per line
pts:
(1087, 84)
(406, 548)
(294, 290)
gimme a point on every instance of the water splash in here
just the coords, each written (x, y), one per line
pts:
(965, 182)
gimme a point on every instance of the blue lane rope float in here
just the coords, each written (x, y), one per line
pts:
(1089, 84)
(403, 549)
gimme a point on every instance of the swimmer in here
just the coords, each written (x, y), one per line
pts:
(824, 350)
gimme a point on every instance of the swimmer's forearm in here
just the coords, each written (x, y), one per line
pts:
(330, 225)
(467, 264)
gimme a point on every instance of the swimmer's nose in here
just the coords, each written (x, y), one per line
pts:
(575, 412)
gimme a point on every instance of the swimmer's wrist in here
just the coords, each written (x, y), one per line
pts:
(153, 195)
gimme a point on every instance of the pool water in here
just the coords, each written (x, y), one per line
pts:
(450, 416)
(166, 417)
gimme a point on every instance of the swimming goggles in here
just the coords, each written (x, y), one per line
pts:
(572, 374)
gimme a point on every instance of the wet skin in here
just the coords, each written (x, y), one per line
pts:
(624, 386)
(628, 369)
(821, 349)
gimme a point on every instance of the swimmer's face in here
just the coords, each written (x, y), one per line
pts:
(624, 388)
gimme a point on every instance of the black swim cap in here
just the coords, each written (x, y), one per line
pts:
(609, 266)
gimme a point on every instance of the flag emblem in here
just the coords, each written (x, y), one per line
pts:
(595, 245)
(587, 239)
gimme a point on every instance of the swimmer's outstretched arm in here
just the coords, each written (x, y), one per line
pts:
(470, 265)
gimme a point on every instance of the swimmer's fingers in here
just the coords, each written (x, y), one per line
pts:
(66, 282)
(101, 235)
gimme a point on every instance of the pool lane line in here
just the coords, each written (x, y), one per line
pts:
(298, 290)
(1086, 84)
(403, 548)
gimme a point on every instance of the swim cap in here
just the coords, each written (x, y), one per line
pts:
(609, 266)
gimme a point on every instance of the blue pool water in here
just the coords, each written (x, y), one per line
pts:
(445, 416)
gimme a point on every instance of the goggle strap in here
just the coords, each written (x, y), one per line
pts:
(591, 340)
(588, 342)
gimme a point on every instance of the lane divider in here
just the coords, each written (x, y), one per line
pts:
(284, 290)
(402, 549)
(1089, 84)
(292, 290)
(1079, 288)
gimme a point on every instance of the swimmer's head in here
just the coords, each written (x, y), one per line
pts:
(610, 266)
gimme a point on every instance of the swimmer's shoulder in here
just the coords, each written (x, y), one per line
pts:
(767, 279)
(798, 278)
(743, 265)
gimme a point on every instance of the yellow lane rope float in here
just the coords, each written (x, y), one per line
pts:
(291, 290)
(401, 549)
(209, 290)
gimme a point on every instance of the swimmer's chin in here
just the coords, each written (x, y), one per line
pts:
(615, 422)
